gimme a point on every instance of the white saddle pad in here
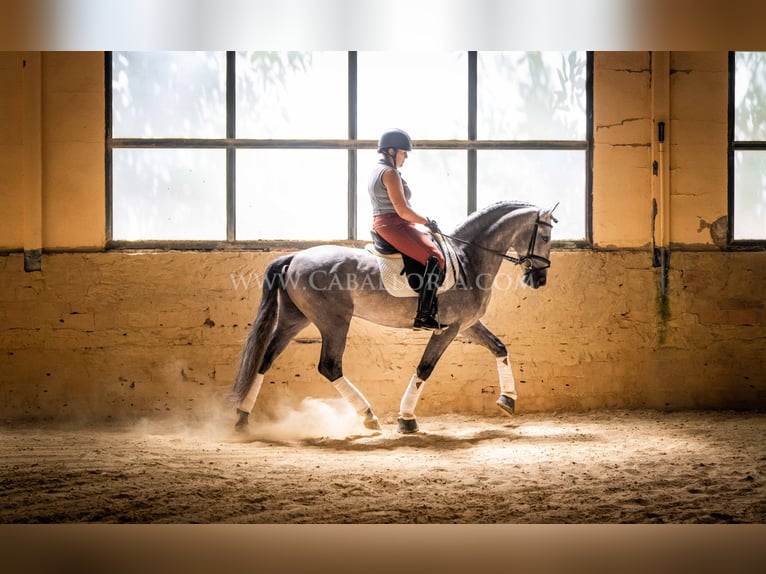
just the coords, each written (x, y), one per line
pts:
(395, 280)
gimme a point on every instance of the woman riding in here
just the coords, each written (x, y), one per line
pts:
(394, 220)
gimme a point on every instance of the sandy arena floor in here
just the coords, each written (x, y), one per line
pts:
(319, 465)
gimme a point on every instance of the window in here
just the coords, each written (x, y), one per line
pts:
(227, 148)
(432, 106)
(747, 149)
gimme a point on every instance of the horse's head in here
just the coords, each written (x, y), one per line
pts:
(537, 259)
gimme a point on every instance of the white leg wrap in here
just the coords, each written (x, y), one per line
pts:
(351, 394)
(410, 398)
(248, 402)
(507, 382)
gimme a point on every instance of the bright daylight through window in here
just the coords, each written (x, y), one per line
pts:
(277, 146)
(749, 147)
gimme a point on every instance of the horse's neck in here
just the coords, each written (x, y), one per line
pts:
(496, 228)
(495, 232)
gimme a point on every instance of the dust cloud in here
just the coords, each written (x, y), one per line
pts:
(331, 418)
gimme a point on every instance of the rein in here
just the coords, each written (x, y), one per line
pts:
(530, 255)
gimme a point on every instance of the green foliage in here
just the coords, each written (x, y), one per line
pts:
(750, 125)
(269, 69)
(750, 84)
(549, 92)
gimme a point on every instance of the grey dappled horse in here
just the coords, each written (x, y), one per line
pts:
(328, 285)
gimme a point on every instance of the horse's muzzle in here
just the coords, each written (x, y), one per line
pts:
(536, 278)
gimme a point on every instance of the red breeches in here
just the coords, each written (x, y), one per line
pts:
(406, 238)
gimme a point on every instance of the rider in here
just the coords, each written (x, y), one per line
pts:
(394, 220)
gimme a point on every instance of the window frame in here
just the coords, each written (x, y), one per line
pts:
(734, 146)
(471, 145)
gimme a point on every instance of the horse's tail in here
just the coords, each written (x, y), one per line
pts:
(263, 325)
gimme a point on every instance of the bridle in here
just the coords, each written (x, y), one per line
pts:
(528, 258)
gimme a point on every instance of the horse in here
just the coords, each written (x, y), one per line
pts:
(328, 285)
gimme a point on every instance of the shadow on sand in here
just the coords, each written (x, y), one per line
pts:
(436, 440)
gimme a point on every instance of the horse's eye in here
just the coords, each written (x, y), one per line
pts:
(545, 238)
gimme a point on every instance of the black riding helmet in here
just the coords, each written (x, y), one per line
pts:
(395, 138)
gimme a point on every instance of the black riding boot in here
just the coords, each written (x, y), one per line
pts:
(426, 315)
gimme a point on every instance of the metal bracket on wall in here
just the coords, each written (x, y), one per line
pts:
(33, 260)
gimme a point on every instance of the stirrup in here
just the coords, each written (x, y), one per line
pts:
(428, 323)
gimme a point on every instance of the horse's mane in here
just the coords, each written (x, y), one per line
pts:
(485, 217)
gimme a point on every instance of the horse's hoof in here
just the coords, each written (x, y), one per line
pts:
(372, 423)
(507, 404)
(241, 424)
(408, 426)
(370, 420)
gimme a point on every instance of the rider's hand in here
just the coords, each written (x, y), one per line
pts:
(432, 225)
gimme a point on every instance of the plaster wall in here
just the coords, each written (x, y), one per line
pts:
(118, 334)
(70, 146)
(11, 148)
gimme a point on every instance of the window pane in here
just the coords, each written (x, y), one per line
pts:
(425, 94)
(750, 195)
(437, 179)
(292, 95)
(292, 194)
(531, 95)
(750, 96)
(169, 94)
(169, 194)
(542, 178)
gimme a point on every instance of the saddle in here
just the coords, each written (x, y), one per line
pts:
(402, 274)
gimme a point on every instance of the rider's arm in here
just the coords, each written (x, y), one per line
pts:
(393, 184)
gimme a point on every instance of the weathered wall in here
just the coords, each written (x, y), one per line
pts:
(73, 150)
(698, 147)
(11, 198)
(70, 110)
(622, 133)
(123, 334)
(118, 334)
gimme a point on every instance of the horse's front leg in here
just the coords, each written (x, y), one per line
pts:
(434, 350)
(478, 333)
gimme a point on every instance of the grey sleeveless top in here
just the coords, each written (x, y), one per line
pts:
(381, 203)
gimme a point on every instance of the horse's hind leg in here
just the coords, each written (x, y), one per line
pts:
(437, 344)
(290, 322)
(331, 367)
(478, 333)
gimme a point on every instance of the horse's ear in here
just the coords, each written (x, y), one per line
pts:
(550, 212)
